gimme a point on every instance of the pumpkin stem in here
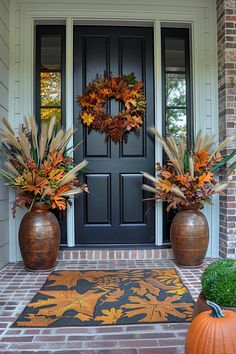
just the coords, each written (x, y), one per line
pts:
(216, 310)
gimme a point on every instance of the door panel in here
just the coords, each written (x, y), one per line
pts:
(98, 205)
(95, 146)
(131, 195)
(135, 147)
(114, 211)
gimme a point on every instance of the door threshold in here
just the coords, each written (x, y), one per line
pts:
(115, 246)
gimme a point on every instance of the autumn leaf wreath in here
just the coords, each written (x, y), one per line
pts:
(124, 89)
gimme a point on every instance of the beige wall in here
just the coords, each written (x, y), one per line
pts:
(4, 91)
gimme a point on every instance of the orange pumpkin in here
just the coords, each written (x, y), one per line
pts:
(212, 332)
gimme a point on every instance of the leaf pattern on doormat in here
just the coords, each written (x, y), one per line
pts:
(108, 297)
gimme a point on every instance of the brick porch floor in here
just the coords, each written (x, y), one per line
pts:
(17, 287)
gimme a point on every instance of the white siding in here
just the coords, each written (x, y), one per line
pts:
(4, 95)
(199, 15)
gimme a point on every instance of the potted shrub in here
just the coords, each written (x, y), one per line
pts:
(218, 285)
(38, 166)
(186, 182)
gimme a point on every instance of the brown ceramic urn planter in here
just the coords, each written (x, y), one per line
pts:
(189, 234)
(39, 238)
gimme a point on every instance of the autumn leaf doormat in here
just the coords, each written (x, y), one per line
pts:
(91, 298)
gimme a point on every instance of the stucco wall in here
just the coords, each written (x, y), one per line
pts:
(199, 15)
(4, 95)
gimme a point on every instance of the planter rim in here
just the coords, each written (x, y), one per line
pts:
(40, 206)
(202, 296)
(192, 206)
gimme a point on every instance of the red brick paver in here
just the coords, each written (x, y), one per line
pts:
(17, 288)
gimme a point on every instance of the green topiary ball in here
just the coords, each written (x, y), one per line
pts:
(219, 282)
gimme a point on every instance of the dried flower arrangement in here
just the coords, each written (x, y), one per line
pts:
(189, 176)
(37, 164)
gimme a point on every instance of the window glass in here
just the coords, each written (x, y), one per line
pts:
(175, 90)
(50, 88)
(47, 113)
(176, 122)
(176, 110)
(175, 54)
(50, 63)
(50, 53)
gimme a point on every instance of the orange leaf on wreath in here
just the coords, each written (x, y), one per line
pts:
(133, 122)
(101, 124)
(104, 91)
(131, 102)
(83, 101)
(122, 85)
(93, 96)
(137, 86)
(116, 130)
(87, 118)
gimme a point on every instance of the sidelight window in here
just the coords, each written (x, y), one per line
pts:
(176, 83)
(176, 95)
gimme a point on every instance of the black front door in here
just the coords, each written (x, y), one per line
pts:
(114, 211)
